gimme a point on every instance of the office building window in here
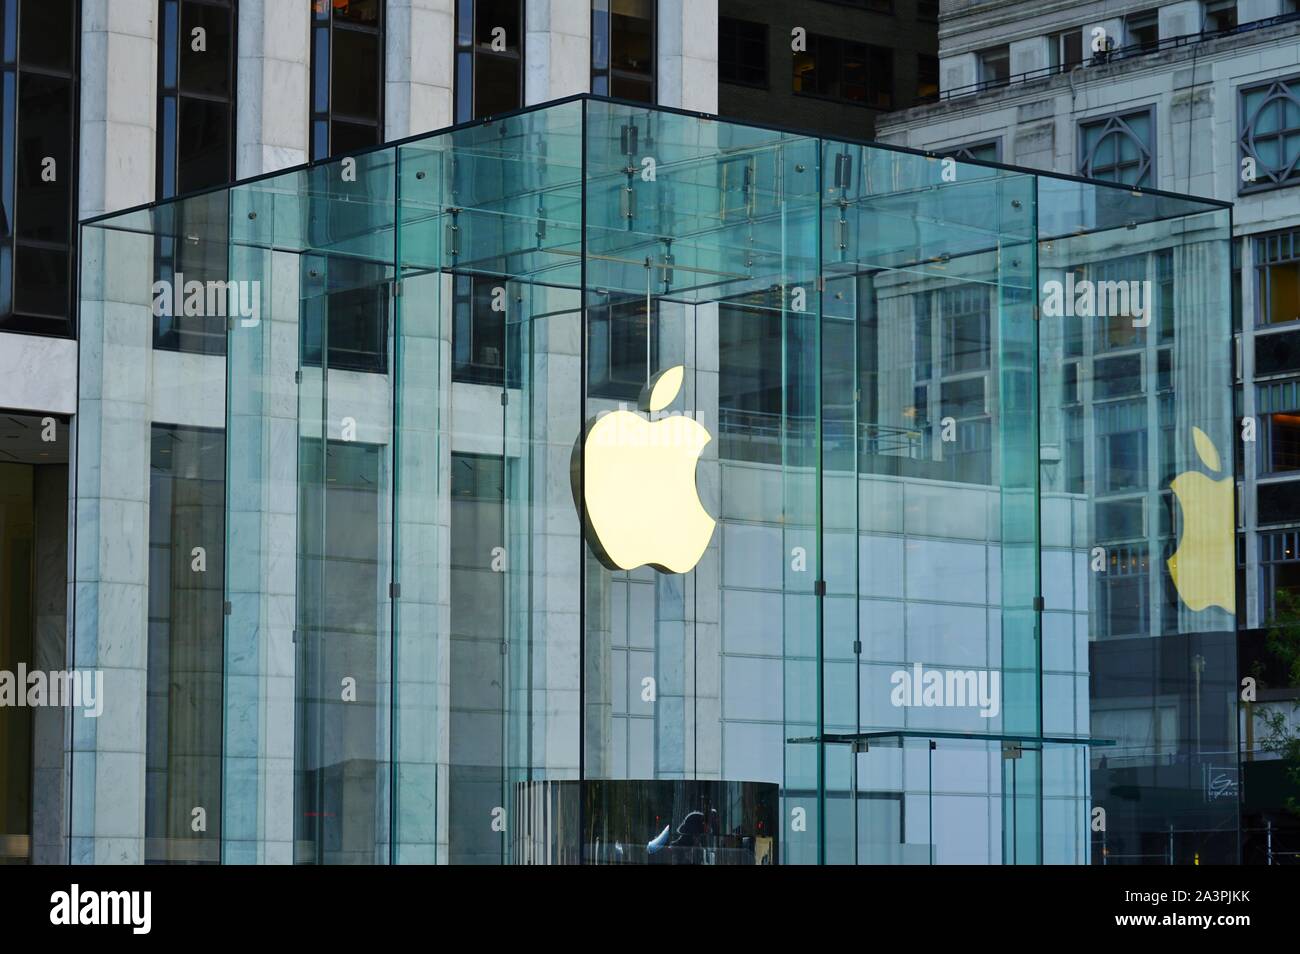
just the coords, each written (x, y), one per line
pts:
(965, 323)
(623, 49)
(989, 150)
(1220, 15)
(347, 76)
(742, 52)
(994, 65)
(1142, 30)
(485, 345)
(1269, 117)
(1066, 50)
(1277, 410)
(196, 85)
(1119, 148)
(927, 77)
(843, 70)
(1277, 268)
(345, 305)
(38, 164)
(1279, 565)
(489, 57)
(621, 347)
(1121, 447)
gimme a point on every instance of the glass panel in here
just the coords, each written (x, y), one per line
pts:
(604, 445)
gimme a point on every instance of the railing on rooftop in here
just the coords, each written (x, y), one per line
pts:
(1116, 55)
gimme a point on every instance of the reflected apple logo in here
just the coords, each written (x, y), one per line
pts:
(639, 495)
(1203, 567)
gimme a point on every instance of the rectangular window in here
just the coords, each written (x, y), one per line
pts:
(482, 340)
(843, 70)
(347, 76)
(965, 322)
(38, 164)
(1121, 447)
(927, 77)
(742, 52)
(994, 65)
(1277, 271)
(196, 87)
(623, 49)
(489, 58)
(1066, 50)
(621, 347)
(1142, 30)
(345, 306)
(1119, 148)
(927, 10)
(1220, 15)
(1279, 563)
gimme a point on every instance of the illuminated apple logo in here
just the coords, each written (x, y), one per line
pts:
(641, 502)
(1203, 566)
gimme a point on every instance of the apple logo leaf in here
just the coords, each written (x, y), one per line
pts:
(1209, 454)
(661, 390)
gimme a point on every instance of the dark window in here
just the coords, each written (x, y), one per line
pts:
(1279, 563)
(1220, 15)
(1277, 353)
(489, 57)
(623, 49)
(345, 311)
(1066, 50)
(843, 70)
(484, 343)
(928, 10)
(621, 347)
(1122, 593)
(196, 87)
(1277, 407)
(742, 52)
(1143, 29)
(38, 182)
(1278, 502)
(994, 65)
(927, 77)
(347, 76)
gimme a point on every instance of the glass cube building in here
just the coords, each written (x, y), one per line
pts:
(607, 483)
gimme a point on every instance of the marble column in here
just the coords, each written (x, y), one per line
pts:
(273, 84)
(557, 50)
(687, 54)
(419, 56)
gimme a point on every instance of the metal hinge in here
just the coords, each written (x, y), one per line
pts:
(394, 590)
(226, 608)
(857, 647)
(1040, 604)
(1012, 750)
(819, 588)
(397, 288)
(297, 377)
(505, 398)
